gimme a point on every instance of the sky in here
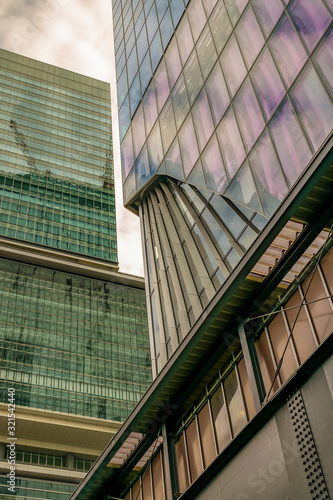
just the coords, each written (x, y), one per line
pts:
(75, 35)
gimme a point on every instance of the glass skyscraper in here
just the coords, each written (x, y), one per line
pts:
(222, 106)
(57, 182)
(74, 341)
(226, 117)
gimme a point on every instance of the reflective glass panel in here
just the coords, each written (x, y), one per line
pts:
(233, 65)
(173, 161)
(197, 17)
(220, 419)
(155, 151)
(268, 13)
(161, 85)
(288, 50)
(217, 93)
(249, 114)
(268, 175)
(202, 119)
(185, 40)
(267, 83)
(180, 101)
(311, 19)
(127, 157)
(168, 127)
(206, 52)
(324, 62)
(138, 129)
(150, 108)
(173, 62)
(142, 168)
(243, 190)
(188, 145)
(193, 77)
(235, 8)
(231, 143)
(166, 28)
(314, 107)
(291, 145)
(249, 36)
(220, 26)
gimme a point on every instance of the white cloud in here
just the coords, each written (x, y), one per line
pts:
(74, 35)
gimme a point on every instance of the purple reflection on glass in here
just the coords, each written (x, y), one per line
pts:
(311, 19)
(184, 38)
(142, 168)
(173, 62)
(231, 142)
(188, 145)
(203, 119)
(149, 104)
(138, 128)
(168, 127)
(314, 107)
(161, 85)
(217, 93)
(249, 114)
(268, 175)
(155, 151)
(173, 162)
(233, 65)
(197, 17)
(268, 13)
(127, 157)
(324, 61)
(288, 50)
(213, 166)
(290, 142)
(267, 82)
(249, 36)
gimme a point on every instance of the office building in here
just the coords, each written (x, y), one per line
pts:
(74, 335)
(225, 112)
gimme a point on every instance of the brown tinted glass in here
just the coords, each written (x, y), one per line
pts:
(235, 402)
(266, 363)
(193, 450)
(136, 491)
(157, 478)
(278, 335)
(206, 436)
(302, 334)
(183, 479)
(247, 393)
(146, 486)
(220, 418)
(321, 311)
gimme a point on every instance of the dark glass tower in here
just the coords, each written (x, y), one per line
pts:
(73, 335)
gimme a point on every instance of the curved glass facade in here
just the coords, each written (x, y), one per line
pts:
(223, 94)
(56, 164)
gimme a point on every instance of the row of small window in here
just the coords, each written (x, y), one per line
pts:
(62, 245)
(30, 489)
(52, 200)
(67, 402)
(63, 188)
(133, 385)
(84, 217)
(46, 87)
(86, 359)
(52, 98)
(79, 283)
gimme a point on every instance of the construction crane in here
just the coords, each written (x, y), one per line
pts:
(20, 141)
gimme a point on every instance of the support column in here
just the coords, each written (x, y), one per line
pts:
(170, 475)
(70, 461)
(252, 367)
